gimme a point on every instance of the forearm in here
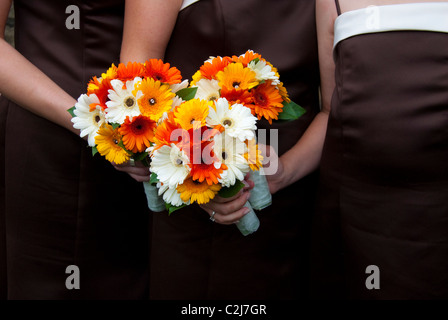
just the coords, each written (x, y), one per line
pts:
(26, 85)
(304, 157)
(147, 28)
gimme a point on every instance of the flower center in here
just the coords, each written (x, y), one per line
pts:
(212, 98)
(97, 118)
(227, 123)
(224, 155)
(115, 141)
(179, 162)
(129, 102)
(236, 84)
(261, 99)
(152, 101)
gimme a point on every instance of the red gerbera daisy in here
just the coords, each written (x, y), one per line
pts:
(206, 169)
(101, 91)
(168, 132)
(236, 95)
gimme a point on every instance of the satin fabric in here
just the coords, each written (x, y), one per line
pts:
(63, 206)
(384, 175)
(193, 258)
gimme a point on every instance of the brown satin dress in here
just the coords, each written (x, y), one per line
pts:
(384, 168)
(193, 258)
(62, 206)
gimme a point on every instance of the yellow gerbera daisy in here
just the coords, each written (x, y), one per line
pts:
(236, 76)
(196, 77)
(195, 191)
(283, 92)
(154, 98)
(253, 155)
(107, 142)
(111, 73)
(192, 114)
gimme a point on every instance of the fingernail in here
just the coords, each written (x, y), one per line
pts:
(245, 183)
(246, 211)
(248, 196)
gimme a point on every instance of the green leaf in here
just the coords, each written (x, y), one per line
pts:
(154, 178)
(187, 93)
(72, 111)
(172, 208)
(228, 192)
(94, 151)
(115, 125)
(140, 156)
(291, 111)
(256, 60)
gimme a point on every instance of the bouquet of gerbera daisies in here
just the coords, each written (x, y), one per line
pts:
(195, 157)
(251, 81)
(215, 146)
(121, 109)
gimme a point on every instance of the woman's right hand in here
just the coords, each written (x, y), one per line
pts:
(136, 170)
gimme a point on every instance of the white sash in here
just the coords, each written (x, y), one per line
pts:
(186, 3)
(432, 16)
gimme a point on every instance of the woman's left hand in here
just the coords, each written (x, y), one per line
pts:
(136, 170)
(229, 210)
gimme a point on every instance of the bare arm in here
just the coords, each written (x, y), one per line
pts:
(305, 156)
(26, 85)
(147, 28)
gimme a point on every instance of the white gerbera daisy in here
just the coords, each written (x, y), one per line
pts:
(88, 121)
(170, 195)
(207, 89)
(123, 103)
(230, 151)
(171, 165)
(179, 86)
(263, 71)
(237, 119)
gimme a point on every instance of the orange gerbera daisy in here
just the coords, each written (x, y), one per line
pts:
(130, 71)
(267, 102)
(210, 69)
(108, 144)
(192, 113)
(236, 76)
(169, 132)
(159, 71)
(247, 57)
(137, 133)
(101, 89)
(157, 98)
(236, 96)
(253, 155)
(195, 191)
